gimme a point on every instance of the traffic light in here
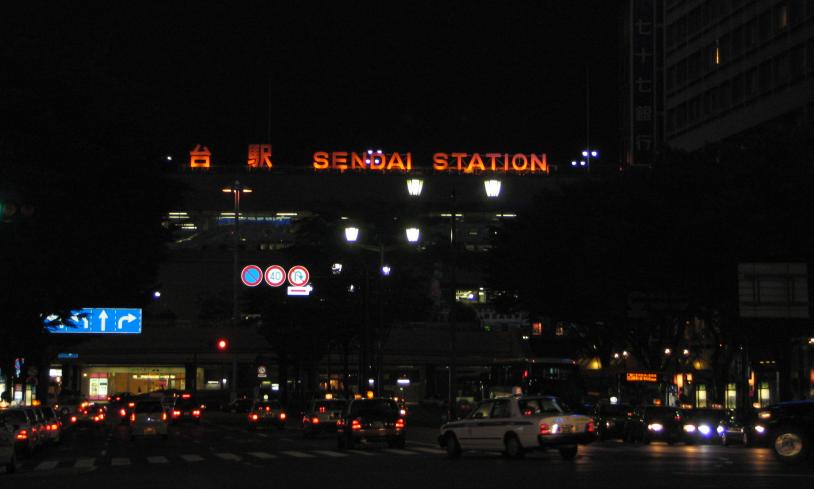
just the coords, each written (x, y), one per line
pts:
(222, 344)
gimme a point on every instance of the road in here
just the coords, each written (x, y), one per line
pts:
(225, 455)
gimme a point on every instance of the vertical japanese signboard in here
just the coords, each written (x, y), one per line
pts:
(643, 82)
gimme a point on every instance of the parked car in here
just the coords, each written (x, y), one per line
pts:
(611, 419)
(790, 427)
(8, 457)
(186, 409)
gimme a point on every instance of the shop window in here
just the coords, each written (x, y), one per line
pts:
(764, 394)
(731, 401)
(701, 396)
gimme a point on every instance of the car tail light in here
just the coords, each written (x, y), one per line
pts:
(73, 419)
(254, 417)
(268, 408)
(48, 427)
(133, 417)
(400, 424)
(175, 414)
(322, 409)
(131, 404)
(196, 413)
(33, 430)
(122, 413)
(545, 429)
(101, 416)
(55, 427)
(590, 427)
(340, 422)
(355, 425)
(315, 420)
(282, 415)
(22, 435)
(164, 416)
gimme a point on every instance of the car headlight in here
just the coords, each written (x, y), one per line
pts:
(655, 427)
(705, 429)
(720, 429)
(689, 428)
(764, 414)
(760, 429)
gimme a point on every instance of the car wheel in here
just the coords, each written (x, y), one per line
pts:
(790, 445)
(568, 453)
(11, 466)
(512, 447)
(452, 446)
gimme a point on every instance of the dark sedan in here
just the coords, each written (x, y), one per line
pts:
(371, 420)
(611, 419)
(651, 423)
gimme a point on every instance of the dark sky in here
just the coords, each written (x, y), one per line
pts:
(436, 76)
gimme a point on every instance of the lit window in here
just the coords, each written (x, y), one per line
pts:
(701, 396)
(731, 395)
(764, 394)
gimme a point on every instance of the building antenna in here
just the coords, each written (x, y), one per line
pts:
(587, 110)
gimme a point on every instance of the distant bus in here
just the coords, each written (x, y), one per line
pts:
(537, 375)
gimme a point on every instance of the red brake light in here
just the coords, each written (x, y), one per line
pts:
(589, 427)
(315, 420)
(400, 424)
(22, 435)
(133, 417)
(164, 416)
(54, 427)
(131, 404)
(175, 413)
(340, 422)
(73, 419)
(322, 409)
(268, 408)
(196, 413)
(282, 415)
(545, 429)
(355, 425)
(253, 417)
(48, 427)
(186, 396)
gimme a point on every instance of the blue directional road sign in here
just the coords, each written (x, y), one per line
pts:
(98, 320)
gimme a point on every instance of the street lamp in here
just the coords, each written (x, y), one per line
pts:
(236, 189)
(668, 351)
(492, 187)
(386, 271)
(351, 234)
(413, 234)
(414, 186)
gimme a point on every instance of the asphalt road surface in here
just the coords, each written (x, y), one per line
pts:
(227, 456)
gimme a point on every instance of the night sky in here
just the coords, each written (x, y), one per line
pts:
(400, 76)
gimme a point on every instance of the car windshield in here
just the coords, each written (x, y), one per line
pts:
(322, 406)
(148, 407)
(373, 407)
(185, 404)
(544, 405)
(267, 405)
(16, 417)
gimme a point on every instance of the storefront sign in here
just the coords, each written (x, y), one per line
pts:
(441, 162)
(259, 156)
(642, 377)
(200, 158)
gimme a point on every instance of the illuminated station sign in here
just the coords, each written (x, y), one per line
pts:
(641, 377)
(259, 156)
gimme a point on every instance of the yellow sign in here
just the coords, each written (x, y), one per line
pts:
(641, 377)
(200, 158)
(441, 162)
(259, 156)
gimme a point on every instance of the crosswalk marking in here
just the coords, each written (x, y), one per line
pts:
(119, 461)
(84, 463)
(330, 453)
(427, 449)
(263, 455)
(47, 465)
(297, 454)
(227, 456)
(362, 452)
(157, 459)
(399, 451)
(191, 457)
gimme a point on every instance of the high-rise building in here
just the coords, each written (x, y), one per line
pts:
(702, 71)
(731, 66)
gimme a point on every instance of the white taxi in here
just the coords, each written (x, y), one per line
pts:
(517, 424)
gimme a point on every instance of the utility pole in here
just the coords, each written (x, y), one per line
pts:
(453, 367)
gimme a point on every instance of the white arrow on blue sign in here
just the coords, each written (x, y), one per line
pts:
(97, 320)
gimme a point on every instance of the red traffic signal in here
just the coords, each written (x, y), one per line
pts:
(222, 344)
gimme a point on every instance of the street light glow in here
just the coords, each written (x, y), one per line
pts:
(414, 186)
(585, 153)
(386, 270)
(351, 234)
(667, 351)
(686, 352)
(492, 188)
(336, 268)
(412, 234)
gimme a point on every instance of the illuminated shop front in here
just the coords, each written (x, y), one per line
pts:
(98, 382)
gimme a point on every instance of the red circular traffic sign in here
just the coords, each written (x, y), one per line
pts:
(298, 276)
(275, 275)
(251, 275)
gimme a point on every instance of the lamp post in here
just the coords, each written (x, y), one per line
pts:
(453, 342)
(236, 189)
